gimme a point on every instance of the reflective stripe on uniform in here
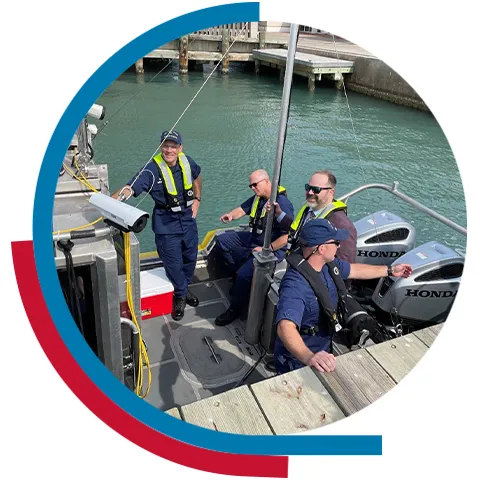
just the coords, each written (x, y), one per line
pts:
(264, 209)
(327, 210)
(169, 182)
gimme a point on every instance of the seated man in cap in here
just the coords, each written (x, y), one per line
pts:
(304, 326)
(236, 247)
(173, 181)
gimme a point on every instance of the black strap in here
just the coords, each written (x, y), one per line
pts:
(297, 262)
(73, 300)
(311, 331)
(341, 287)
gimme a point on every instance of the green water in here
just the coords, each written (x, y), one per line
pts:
(231, 129)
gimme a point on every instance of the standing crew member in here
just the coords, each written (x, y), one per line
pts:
(237, 247)
(173, 180)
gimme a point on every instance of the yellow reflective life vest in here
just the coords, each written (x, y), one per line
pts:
(299, 221)
(258, 219)
(169, 183)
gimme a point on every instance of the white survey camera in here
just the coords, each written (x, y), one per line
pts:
(118, 214)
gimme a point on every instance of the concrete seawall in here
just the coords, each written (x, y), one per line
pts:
(371, 76)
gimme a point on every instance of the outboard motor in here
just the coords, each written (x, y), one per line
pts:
(383, 237)
(424, 298)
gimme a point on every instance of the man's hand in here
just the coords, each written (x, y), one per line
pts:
(257, 249)
(322, 361)
(278, 211)
(123, 193)
(226, 218)
(402, 270)
(195, 207)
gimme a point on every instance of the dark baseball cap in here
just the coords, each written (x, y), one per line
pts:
(174, 136)
(319, 231)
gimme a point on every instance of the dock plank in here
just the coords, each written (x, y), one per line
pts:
(296, 401)
(428, 335)
(398, 356)
(235, 411)
(357, 381)
(174, 412)
(279, 55)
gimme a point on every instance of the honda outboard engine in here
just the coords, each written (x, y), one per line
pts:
(424, 298)
(383, 237)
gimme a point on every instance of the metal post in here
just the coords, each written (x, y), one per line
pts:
(264, 261)
(281, 131)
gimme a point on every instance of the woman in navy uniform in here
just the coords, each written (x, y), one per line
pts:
(173, 180)
(304, 333)
(237, 247)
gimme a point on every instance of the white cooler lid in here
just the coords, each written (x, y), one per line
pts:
(152, 282)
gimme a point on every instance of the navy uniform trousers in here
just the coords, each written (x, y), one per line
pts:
(236, 248)
(179, 255)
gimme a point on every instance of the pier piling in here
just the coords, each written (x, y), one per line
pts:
(225, 46)
(139, 66)
(183, 55)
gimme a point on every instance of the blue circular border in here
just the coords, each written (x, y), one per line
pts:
(46, 269)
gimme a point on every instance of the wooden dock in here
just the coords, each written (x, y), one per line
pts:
(305, 399)
(195, 50)
(306, 64)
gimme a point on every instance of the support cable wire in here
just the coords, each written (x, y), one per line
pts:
(370, 200)
(136, 94)
(186, 108)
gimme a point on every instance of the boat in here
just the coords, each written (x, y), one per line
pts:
(106, 281)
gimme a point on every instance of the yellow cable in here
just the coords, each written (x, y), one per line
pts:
(56, 232)
(88, 185)
(126, 236)
(142, 349)
(83, 182)
(87, 182)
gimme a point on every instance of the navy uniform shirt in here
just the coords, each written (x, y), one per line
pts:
(277, 230)
(298, 303)
(165, 222)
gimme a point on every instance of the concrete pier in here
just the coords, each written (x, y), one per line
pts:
(308, 65)
(369, 75)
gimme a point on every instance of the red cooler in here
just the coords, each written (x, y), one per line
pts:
(156, 294)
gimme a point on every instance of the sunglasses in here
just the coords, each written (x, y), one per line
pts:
(314, 189)
(333, 242)
(254, 185)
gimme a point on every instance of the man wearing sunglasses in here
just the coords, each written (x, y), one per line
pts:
(321, 203)
(236, 247)
(304, 326)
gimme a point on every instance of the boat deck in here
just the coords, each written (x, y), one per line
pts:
(194, 359)
(304, 399)
(197, 369)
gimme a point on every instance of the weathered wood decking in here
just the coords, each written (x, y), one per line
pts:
(199, 49)
(306, 64)
(304, 399)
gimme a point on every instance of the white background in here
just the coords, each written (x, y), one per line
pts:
(50, 49)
